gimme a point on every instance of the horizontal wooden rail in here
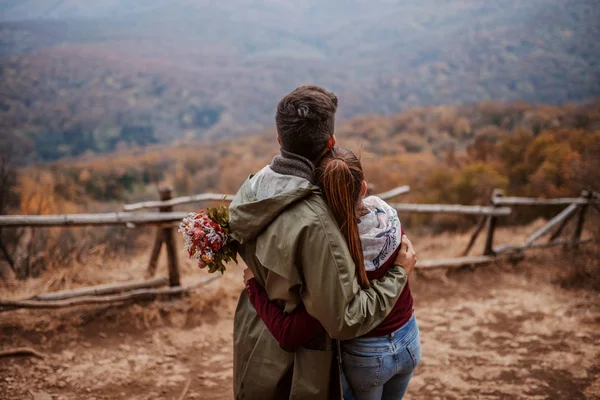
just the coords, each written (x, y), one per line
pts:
(140, 294)
(228, 197)
(451, 209)
(178, 201)
(166, 218)
(394, 192)
(454, 262)
(109, 288)
(118, 218)
(527, 201)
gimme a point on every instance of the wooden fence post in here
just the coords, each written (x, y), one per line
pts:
(491, 226)
(164, 194)
(168, 236)
(480, 225)
(581, 218)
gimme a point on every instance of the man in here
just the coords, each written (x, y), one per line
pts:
(296, 252)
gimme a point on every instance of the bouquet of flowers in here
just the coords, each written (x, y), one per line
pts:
(207, 239)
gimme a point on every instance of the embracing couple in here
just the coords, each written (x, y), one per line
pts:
(327, 311)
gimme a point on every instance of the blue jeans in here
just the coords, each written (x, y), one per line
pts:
(381, 367)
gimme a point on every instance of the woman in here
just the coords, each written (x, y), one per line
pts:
(379, 364)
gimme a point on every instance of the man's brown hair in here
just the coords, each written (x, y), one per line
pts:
(305, 121)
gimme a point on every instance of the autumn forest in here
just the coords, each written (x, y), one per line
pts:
(100, 105)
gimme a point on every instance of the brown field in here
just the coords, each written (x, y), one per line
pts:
(530, 330)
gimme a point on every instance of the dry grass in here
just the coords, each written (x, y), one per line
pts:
(101, 266)
(581, 272)
(493, 332)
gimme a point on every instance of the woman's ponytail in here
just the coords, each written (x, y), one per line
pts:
(340, 177)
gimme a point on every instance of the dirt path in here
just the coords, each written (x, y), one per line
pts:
(132, 352)
(494, 333)
(513, 342)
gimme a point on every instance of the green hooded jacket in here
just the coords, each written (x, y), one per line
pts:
(293, 246)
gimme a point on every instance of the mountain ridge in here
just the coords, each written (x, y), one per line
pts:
(192, 69)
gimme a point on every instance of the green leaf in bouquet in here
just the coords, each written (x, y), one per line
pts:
(220, 215)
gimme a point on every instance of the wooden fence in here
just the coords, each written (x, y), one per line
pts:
(166, 220)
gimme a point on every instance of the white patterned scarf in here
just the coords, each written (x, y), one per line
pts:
(380, 232)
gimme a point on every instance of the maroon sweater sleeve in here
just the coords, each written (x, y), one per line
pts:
(290, 330)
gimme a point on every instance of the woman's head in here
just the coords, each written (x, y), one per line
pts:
(341, 178)
(340, 170)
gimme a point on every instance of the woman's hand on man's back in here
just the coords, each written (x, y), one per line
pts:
(407, 258)
(248, 275)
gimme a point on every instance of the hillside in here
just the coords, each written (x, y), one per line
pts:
(79, 77)
(450, 154)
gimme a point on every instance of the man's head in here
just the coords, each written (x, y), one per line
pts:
(305, 121)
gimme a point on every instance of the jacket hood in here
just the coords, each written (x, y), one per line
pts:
(262, 198)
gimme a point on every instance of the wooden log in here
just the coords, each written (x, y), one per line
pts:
(489, 237)
(520, 247)
(480, 226)
(166, 218)
(558, 243)
(109, 288)
(178, 201)
(168, 235)
(478, 230)
(153, 263)
(118, 218)
(21, 351)
(488, 249)
(566, 213)
(158, 239)
(451, 209)
(587, 196)
(173, 262)
(560, 228)
(528, 201)
(454, 262)
(140, 294)
(394, 192)
(228, 197)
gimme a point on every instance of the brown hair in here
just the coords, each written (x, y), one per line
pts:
(305, 121)
(340, 176)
